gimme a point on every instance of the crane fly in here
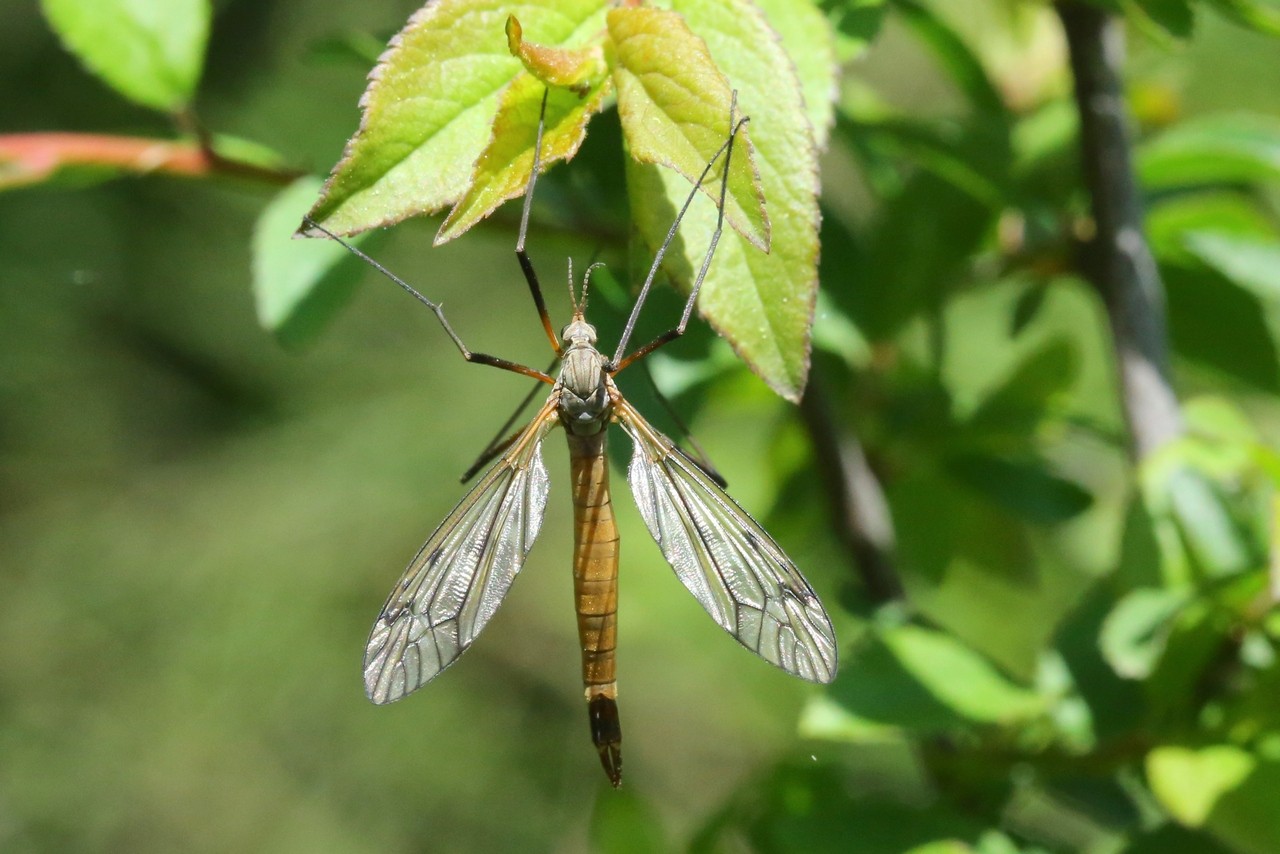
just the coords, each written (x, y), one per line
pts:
(730, 564)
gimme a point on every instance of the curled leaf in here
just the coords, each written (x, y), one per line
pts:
(578, 70)
(502, 171)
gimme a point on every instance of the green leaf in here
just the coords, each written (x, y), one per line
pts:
(674, 103)
(1194, 521)
(1255, 15)
(1202, 304)
(856, 24)
(1014, 408)
(298, 285)
(808, 40)
(502, 171)
(1023, 487)
(150, 51)
(1223, 789)
(1223, 212)
(1212, 150)
(1251, 263)
(762, 304)
(580, 70)
(978, 572)
(926, 681)
(957, 59)
(1175, 16)
(428, 113)
(1134, 634)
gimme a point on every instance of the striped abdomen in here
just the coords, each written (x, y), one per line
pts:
(595, 590)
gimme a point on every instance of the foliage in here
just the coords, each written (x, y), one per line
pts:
(1086, 656)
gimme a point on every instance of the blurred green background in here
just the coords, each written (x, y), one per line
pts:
(198, 524)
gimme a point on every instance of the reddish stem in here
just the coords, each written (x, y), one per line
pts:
(28, 158)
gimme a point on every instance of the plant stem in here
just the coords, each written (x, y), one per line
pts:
(858, 506)
(30, 158)
(1118, 259)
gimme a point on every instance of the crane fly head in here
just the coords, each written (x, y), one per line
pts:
(578, 333)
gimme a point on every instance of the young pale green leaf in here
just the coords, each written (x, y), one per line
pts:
(1212, 150)
(579, 70)
(502, 171)
(150, 51)
(430, 107)
(762, 304)
(810, 44)
(1223, 789)
(674, 104)
(297, 285)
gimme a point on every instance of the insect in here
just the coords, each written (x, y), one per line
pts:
(730, 564)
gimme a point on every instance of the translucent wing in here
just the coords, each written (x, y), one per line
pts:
(726, 560)
(460, 576)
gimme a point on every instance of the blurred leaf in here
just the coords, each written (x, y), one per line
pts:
(1212, 150)
(580, 70)
(941, 152)
(1175, 16)
(624, 823)
(917, 246)
(1133, 635)
(808, 40)
(928, 681)
(961, 63)
(298, 285)
(1220, 212)
(1251, 263)
(811, 810)
(415, 154)
(1223, 789)
(1254, 14)
(503, 169)
(1113, 703)
(1202, 305)
(674, 102)
(1027, 308)
(1013, 409)
(1196, 505)
(974, 570)
(762, 304)
(150, 51)
(1024, 487)
(1181, 681)
(1172, 838)
(1188, 782)
(354, 47)
(928, 227)
(856, 24)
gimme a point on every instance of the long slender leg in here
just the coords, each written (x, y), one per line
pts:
(503, 438)
(526, 264)
(478, 358)
(618, 362)
(698, 456)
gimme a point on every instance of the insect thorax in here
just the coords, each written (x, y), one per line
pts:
(584, 390)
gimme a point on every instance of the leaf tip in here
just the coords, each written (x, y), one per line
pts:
(515, 35)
